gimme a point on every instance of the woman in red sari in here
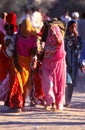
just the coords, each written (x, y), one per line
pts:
(4, 77)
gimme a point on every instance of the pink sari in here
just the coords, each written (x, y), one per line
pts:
(54, 70)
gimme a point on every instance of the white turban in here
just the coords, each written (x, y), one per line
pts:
(75, 14)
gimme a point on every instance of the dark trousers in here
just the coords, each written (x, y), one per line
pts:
(68, 93)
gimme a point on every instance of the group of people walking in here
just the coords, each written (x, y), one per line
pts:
(37, 61)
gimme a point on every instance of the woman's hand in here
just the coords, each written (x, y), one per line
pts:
(0, 46)
(75, 33)
(82, 68)
(34, 61)
(58, 40)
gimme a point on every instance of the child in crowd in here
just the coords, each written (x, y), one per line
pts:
(9, 39)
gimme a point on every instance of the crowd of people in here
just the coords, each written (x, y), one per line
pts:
(38, 60)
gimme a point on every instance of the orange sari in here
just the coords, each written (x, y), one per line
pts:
(18, 91)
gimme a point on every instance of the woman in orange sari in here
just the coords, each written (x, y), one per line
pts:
(24, 50)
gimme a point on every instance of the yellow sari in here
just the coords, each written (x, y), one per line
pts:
(23, 77)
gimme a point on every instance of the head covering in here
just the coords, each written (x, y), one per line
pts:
(56, 30)
(26, 28)
(11, 19)
(75, 15)
(60, 24)
(36, 19)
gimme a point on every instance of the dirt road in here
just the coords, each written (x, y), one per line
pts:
(37, 118)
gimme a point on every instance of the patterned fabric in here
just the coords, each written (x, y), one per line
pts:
(72, 50)
(54, 69)
(50, 49)
(53, 50)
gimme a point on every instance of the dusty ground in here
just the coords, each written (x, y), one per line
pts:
(37, 118)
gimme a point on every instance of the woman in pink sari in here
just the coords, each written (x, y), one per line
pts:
(54, 69)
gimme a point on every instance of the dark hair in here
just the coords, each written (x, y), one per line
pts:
(9, 26)
(34, 9)
(45, 32)
(70, 23)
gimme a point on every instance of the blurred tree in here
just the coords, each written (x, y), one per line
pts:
(54, 7)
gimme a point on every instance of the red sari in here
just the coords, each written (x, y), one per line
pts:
(3, 59)
(5, 69)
